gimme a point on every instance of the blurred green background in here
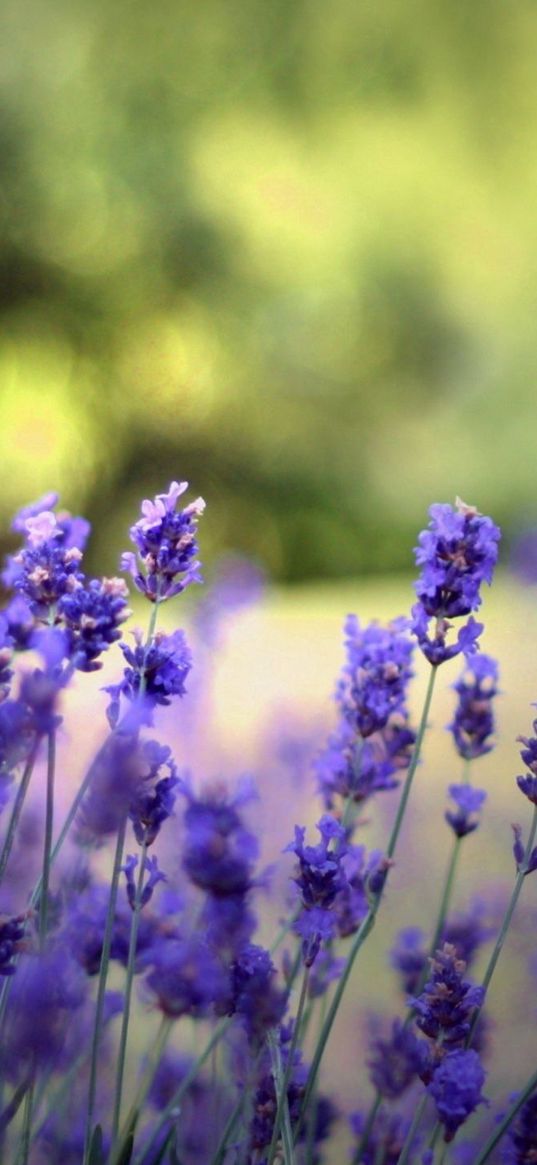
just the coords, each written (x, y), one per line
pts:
(285, 250)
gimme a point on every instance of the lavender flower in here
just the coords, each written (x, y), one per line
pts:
(155, 876)
(521, 1147)
(158, 670)
(93, 614)
(47, 991)
(11, 942)
(519, 851)
(395, 1062)
(320, 878)
(473, 723)
(468, 801)
(219, 851)
(409, 958)
(47, 567)
(528, 783)
(456, 1089)
(375, 679)
(445, 1007)
(254, 994)
(365, 875)
(457, 554)
(154, 803)
(186, 978)
(166, 547)
(373, 740)
(118, 776)
(386, 1140)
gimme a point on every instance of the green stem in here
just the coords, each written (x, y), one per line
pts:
(372, 1116)
(282, 1097)
(11, 1109)
(103, 973)
(47, 848)
(17, 807)
(404, 1154)
(26, 1126)
(281, 1093)
(510, 1115)
(390, 849)
(505, 924)
(143, 1088)
(135, 923)
(446, 898)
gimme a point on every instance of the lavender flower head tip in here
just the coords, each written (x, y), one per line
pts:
(165, 540)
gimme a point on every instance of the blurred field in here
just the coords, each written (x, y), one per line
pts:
(290, 255)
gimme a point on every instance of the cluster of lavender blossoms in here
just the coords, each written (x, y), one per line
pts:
(144, 1020)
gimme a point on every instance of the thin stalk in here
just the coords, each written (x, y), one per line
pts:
(103, 972)
(282, 1096)
(12, 1107)
(405, 1151)
(506, 923)
(143, 1088)
(47, 847)
(26, 1126)
(17, 807)
(231, 1124)
(446, 897)
(362, 1143)
(503, 1125)
(281, 1093)
(135, 923)
(360, 938)
(369, 920)
(312, 1115)
(390, 849)
(172, 1104)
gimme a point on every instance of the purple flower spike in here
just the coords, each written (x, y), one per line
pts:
(47, 566)
(445, 1007)
(165, 538)
(93, 614)
(468, 802)
(320, 878)
(522, 1135)
(457, 553)
(186, 978)
(456, 1089)
(473, 723)
(155, 876)
(375, 679)
(254, 995)
(396, 1061)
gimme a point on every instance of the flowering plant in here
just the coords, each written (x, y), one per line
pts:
(77, 1086)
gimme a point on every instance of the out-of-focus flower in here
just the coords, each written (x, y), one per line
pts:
(456, 1089)
(186, 978)
(375, 679)
(465, 819)
(396, 1061)
(47, 990)
(473, 723)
